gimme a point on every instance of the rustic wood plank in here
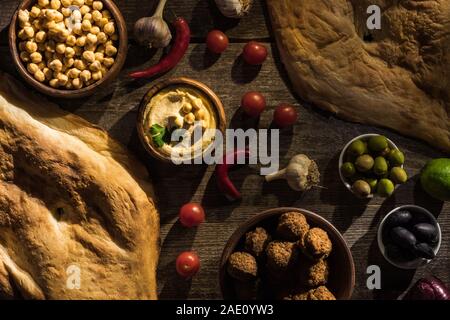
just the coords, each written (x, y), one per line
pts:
(317, 134)
(202, 15)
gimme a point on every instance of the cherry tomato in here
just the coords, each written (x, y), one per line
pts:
(217, 41)
(285, 115)
(254, 53)
(191, 215)
(187, 264)
(253, 103)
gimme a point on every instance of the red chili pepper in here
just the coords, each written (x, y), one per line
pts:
(179, 48)
(223, 180)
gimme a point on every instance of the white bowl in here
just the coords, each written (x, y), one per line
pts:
(366, 136)
(413, 264)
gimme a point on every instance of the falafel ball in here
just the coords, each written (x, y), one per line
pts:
(300, 294)
(256, 241)
(316, 244)
(292, 226)
(321, 293)
(314, 273)
(281, 255)
(242, 266)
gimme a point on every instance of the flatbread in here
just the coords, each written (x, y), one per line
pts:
(77, 215)
(399, 79)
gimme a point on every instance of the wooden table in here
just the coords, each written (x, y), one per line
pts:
(317, 134)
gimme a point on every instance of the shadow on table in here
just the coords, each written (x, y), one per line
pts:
(201, 58)
(173, 286)
(242, 72)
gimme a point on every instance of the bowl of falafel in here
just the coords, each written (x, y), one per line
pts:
(287, 254)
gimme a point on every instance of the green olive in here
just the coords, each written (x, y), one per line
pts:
(348, 169)
(378, 143)
(398, 175)
(361, 189)
(356, 148)
(373, 182)
(380, 166)
(396, 158)
(385, 187)
(364, 163)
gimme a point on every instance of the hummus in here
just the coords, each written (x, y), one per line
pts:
(180, 107)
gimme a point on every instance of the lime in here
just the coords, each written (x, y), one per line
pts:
(435, 178)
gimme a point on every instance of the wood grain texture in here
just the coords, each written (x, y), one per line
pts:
(317, 134)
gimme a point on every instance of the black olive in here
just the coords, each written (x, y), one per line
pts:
(399, 218)
(423, 250)
(425, 232)
(403, 238)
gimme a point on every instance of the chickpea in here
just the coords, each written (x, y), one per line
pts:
(59, 17)
(189, 118)
(41, 65)
(29, 31)
(104, 70)
(43, 3)
(88, 2)
(77, 28)
(68, 62)
(109, 28)
(55, 4)
(56, 65)
(110, 51)
(62, 79)
(63, 34)
(178, 122)
(37, 25)
(61, 48)
(23, 16)
(69, 85)
(32, 68)
(109, 43)
(47, 73)
(22, 35)
(102, 22)
(54, 83)
(88, 17)
(85, 9)
(24, 24)
(77, 83)
(95, 30)
(187, 108)
(102, 37)
(66, 3)
(99, 56)
(71, 40)
(108, 62)
(89, 56)
(70, 52)
(95, 66)
(50, 14)
(200, 114)
(31, 47)
(85, 75)
(35, 12)
(66, 12)
(86, 25)
(96, 15)
(36, 57)
(115, 37)
(97, 75)
(50, 25)
(74, 73)
(97, 5)
(39, 76)
(78, 3)
(91, 38)
(24, 56)
(90, 47)
(79, 64)
(40, 36)
(81, 41)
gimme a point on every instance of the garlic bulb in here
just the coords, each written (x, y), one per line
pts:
(234, 8)
(153, 31)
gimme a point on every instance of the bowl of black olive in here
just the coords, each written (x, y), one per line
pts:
(409, 236)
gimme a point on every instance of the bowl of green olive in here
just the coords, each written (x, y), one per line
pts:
(371, 164)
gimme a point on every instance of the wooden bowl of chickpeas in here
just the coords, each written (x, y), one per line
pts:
(68, 48)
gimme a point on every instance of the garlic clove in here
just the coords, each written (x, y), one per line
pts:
(234, 8)
(153, 32)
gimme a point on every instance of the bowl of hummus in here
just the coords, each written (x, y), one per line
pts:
(179, 120)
